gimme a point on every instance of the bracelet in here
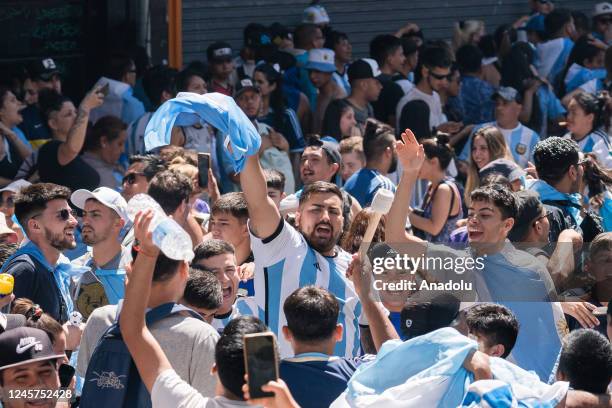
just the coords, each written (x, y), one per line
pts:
(139, 250)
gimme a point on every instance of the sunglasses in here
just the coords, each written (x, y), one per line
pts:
(605, 20)
(63, 215)
(131, 178)
(448, 77)
(546, 215)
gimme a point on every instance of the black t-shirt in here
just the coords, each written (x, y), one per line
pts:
(387, 101)
(35, 282)
(76, 174)
(8, 169)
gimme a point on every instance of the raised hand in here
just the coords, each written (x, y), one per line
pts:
(92, 100)
(142, 221)
(409, 152)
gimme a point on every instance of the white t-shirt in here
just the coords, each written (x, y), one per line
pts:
(170, 391)
(436, 116)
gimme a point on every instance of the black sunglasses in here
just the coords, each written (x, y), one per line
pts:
(63, 215)
(131, 178)
(448, 77)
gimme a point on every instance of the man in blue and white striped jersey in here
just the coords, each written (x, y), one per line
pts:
(287, 258)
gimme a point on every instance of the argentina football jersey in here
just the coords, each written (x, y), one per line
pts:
(521, 141)
(285, 262)
(243, 306)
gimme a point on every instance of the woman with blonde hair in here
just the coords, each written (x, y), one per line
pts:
(467, 32)
(488, 144)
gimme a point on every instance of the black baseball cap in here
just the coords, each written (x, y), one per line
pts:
(245, 85)
(219, 52)
(426, 312)
(25, 345)
(44, 69)
(505, 167)
(529, 209)
(330, 148)
(363, 69)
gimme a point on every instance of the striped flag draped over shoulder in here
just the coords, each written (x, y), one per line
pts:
(241, 138)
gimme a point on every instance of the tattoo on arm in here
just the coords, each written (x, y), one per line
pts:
(367, 343)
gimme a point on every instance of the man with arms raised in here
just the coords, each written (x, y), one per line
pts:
(500, 273)
(287, 258)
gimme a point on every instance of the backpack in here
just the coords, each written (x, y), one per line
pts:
(111, 375)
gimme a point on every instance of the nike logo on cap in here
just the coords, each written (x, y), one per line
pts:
(27, 343)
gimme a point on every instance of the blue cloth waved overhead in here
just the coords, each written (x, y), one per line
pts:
(428, 372)
(214, 108)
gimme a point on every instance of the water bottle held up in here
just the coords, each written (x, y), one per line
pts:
(168, 235)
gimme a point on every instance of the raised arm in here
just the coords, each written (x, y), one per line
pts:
(146, 352)
(411, 155)
(380, 326)
(263, 215)
(71, 148)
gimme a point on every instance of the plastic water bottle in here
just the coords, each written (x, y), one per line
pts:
(168, 235)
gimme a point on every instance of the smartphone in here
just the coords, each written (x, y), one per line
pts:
(260, 361)
(105, 89)
(65, 373)
(203, 166)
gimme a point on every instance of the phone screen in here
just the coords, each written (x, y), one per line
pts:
(260, 361)
(203, 166)
(65, 373)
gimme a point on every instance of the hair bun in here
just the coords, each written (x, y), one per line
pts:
(442, 138)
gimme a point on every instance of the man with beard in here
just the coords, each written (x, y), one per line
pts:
(381, 159)
(104, 216)
(40, 269)
(287, 258)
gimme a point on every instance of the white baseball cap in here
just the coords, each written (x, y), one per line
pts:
(321, 59)
(602, 9)
(315, 14)
(15, 186)
(109, 197)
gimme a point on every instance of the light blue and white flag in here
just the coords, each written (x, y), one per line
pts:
(428, 372)
(220, 111)
(577, 75)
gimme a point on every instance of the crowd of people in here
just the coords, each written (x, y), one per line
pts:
(271, 166)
